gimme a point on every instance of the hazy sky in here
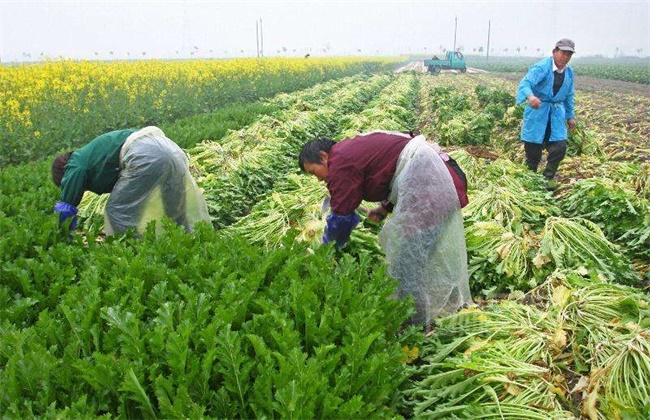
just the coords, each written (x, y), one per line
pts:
(31, 30)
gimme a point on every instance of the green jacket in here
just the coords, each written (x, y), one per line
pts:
(95, 167)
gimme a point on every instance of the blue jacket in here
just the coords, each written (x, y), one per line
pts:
(539, 82)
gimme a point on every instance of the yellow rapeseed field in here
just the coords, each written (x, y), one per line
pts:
(53, 105)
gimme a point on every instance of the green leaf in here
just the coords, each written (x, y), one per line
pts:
(134, 390)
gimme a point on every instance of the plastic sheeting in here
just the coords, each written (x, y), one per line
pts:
(424, 239)
(155, 182)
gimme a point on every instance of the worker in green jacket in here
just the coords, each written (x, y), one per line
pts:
(146, 174)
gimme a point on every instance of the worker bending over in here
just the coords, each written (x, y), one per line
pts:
(424, 238)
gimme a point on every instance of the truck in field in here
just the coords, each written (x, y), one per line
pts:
(453, 60)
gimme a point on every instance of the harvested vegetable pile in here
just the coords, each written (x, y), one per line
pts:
(571, 347)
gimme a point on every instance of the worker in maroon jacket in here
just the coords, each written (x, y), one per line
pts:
(424, 238)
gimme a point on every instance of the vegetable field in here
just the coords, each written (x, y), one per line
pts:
(251, 317)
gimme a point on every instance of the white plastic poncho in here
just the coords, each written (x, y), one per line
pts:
(155, 182)
(424, 239)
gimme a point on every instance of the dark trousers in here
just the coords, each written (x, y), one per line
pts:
(556, 152)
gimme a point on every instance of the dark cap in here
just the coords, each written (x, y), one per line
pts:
(566, 45)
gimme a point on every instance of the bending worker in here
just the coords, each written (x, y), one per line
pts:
(548, 90)
(146, 174)
(424, 239)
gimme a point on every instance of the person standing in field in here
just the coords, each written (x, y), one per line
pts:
(146, 174)
(424, 238)
(549, 91)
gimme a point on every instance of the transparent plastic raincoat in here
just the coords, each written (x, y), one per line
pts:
(154, 182)
(424, 239)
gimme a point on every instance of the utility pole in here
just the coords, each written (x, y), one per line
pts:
(257, 38)
(259, 35)
(184, 42)
(487, 57)
(455, 29)
(261, 39)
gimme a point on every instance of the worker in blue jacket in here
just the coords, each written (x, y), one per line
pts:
(548, 90)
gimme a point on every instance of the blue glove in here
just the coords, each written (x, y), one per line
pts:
(339, 227)
(66, 211)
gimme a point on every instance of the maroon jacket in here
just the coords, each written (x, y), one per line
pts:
(362, 167)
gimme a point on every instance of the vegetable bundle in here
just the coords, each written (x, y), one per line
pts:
(566, 341)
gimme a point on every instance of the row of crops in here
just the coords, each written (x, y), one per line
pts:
(570, 339)
(251, 317)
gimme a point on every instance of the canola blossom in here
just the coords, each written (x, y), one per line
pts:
(44, 107)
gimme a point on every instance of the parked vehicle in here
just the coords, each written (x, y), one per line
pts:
(453, 60)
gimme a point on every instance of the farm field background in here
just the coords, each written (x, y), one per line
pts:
(629, 69)
(250, 317)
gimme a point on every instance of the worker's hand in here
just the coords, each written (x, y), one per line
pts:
(534, 101)
(338, 228)
(377, 214)
(66, 211)
(572, 124)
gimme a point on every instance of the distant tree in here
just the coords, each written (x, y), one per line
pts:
(480, 50)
